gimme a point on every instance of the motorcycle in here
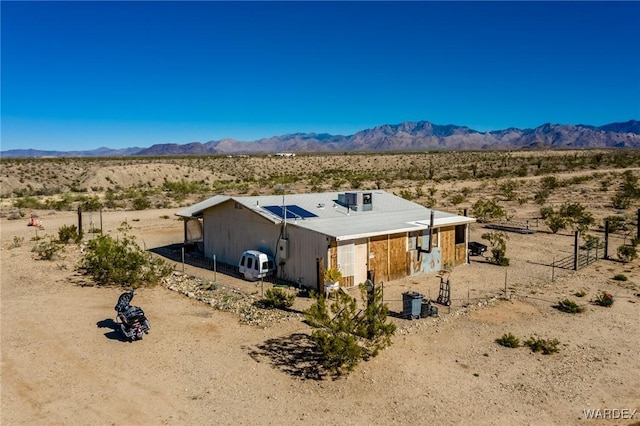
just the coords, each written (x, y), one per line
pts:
(132, 320)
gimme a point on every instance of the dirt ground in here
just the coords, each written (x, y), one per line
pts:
(63, 363)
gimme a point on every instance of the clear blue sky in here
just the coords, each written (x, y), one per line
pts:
(81, 75)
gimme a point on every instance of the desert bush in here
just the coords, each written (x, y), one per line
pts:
(28, 203)
(90, 204)
(141, 203)
(569, 306)
(498, 241)
(122, 262)
(616, 223)
(68, 234)
(546, 346)
(47, 249)
(350, 335)
(278, 298)
(508, 340)
(17, 242)
(484, 210)
(620, 277)
(604, 299)
(627, 253)
(580, 293)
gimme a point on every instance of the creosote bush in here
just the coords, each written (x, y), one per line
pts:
(620, 277)
(508, 340)
(122, 262)
(278, 298)
(47, 249)
(69, 234)
(569, 306)
(546, 346)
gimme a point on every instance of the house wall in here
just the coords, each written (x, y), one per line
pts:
(421, 262)
(453, 254)
(305, 247)
(388, 256)
(230, 229)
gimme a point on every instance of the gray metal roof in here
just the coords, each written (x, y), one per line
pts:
(389, 213)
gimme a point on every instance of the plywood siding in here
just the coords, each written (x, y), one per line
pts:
(398, 256)
(378, 251)
(388, 256)
(448, 244)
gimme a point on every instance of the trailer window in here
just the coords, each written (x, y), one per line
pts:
(250, 263)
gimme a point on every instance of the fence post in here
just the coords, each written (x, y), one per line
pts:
(575, 250)
(79, 221)
(606, 239)
(553, 269)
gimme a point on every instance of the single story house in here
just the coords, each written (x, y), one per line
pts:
(365, 234)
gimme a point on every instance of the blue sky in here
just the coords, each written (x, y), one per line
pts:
(81, 75)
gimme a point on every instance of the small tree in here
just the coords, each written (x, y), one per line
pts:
(487, 209)
(350, 335)
(498, 241)
(122, 262)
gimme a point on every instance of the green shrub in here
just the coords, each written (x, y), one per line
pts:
(508, 340)
(546, 346)
(68, 234)
(604, 299)
(498, 241)
(122, 262)
(580, 293)
(47, 249)
(350, 334)
(569, 306)
(141, 203)
(620, 277)
(17, 242)
(627, 253)
(278, 298)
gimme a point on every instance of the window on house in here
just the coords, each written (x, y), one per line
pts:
(460, 233)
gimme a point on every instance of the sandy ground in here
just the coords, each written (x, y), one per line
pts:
(62, 362)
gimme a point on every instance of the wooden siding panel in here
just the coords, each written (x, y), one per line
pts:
(447, 241)
(397, 256)
(378, 257)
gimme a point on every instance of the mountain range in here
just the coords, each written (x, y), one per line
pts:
(406, 136)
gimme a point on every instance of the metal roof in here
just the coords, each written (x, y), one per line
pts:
(389, 213)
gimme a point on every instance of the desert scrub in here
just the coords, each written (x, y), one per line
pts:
(627, 253)
(569, 306)
(69, 234)
(278, 298)
(47, 249)
(580, 293)
(508, 340)
(620, 277)
(546, 346)
(17, 242)
(122, 262)
(604, 299)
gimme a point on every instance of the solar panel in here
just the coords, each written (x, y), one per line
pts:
(293, 212)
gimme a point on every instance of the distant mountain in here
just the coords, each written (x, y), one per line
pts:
(98, 152)
(407, 136)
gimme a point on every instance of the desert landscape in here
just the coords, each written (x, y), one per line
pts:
(213, 357)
